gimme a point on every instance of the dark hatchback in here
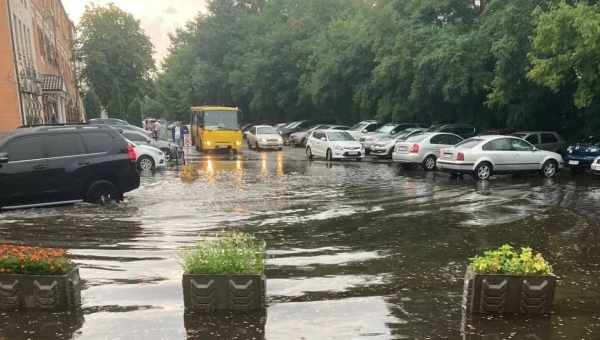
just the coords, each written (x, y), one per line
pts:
(59, 164)
(580, 156)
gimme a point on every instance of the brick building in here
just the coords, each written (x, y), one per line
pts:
(38, 83)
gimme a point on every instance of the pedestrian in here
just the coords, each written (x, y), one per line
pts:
(156, 129)
(177, 133)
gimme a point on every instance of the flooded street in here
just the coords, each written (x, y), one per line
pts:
(355, 251)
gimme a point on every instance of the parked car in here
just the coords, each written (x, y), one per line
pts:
(595, 167)
(544, 140)
(389, 129)
(118, 123)
(384, 146)
(170, 149)
(285, 132)
(333, 144)
(149, 158)
(463, 130)
(484, 156)
(364, 127)
(299, 138)
(423, 149)
(264, 137)
(580, 156)
(61, 164)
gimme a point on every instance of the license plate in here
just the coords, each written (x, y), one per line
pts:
(352, 153)
(573, 162)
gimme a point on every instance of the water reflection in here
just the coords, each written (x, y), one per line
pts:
(510, 327)
(39, 325)
(225, 326)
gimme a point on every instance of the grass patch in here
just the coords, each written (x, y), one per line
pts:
(34, 260)
(227, 253)
(507, 260)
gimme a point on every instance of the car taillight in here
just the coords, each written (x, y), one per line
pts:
(131, 152)
(460, 156)
(414, 148)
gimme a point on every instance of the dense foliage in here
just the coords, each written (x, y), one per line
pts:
(507, 260)
(33, 260)
(524, 64)
(116, 59)
(228, 253)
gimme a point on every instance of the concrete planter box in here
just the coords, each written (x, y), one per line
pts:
(507, 294)
(210, 293)
(43, 292)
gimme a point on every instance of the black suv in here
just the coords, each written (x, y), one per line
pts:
(51, 164)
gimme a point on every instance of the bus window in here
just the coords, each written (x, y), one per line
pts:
(227, 120)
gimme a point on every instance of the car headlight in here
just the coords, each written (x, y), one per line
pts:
(570, 149)
(338, 148)
(594, 149)
(238, 143)
(262, 140)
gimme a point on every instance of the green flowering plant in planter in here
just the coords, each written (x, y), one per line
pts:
(227, 253)
(509, 261)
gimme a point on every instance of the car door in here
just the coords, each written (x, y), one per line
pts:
(24, 176)
(499, 151)
(320, 143)
(527, 158)
(68, 162)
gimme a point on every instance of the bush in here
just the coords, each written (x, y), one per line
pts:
(506, 260)
(228, 253)
(33, 260)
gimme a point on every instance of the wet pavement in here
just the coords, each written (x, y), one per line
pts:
(355, 251)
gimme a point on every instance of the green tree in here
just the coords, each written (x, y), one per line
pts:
(92, 104)
(114, 50)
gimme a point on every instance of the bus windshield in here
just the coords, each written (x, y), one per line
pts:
(227, 120)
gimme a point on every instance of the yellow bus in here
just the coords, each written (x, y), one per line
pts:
(216, 128)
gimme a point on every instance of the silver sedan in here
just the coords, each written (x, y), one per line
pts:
(484, 156)
(423, 149)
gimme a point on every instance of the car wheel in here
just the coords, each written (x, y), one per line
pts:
(550, 169)
(102, 192)
(429, 163)
(309, 154)
(328, 155)
(145, 163)
(483, 171)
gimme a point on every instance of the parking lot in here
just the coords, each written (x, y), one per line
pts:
(355, 250)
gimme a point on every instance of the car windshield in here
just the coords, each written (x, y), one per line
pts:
(227, 120)
(386, 128)
(358, 126)
(592, 140)
(265, 130)
(336, 136)
(468, 143)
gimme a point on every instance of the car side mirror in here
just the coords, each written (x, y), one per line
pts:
(365, 131)
(3, 157)
(324, 139)
(535, 149)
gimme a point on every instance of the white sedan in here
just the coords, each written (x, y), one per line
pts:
(484, 156)
(596, 166)
(333, 144)
(264, 137)
(423, 149)
(149, 158)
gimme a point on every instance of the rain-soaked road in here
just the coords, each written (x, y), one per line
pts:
(356, 251)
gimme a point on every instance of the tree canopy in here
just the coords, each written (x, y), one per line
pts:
(116, 59)
(523, 64)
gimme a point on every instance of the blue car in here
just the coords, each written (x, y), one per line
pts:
(581, 155)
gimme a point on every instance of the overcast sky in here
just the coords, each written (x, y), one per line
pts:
(158, 17)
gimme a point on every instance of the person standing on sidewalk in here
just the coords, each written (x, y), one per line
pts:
(156, 129)
(177, 134)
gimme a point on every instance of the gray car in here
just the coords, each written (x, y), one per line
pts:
(168, 148)
(384, 146)
(484, 156)
(424, 149)
(544, 140)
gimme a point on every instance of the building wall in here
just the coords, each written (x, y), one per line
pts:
(54, 37)
(10, 114)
